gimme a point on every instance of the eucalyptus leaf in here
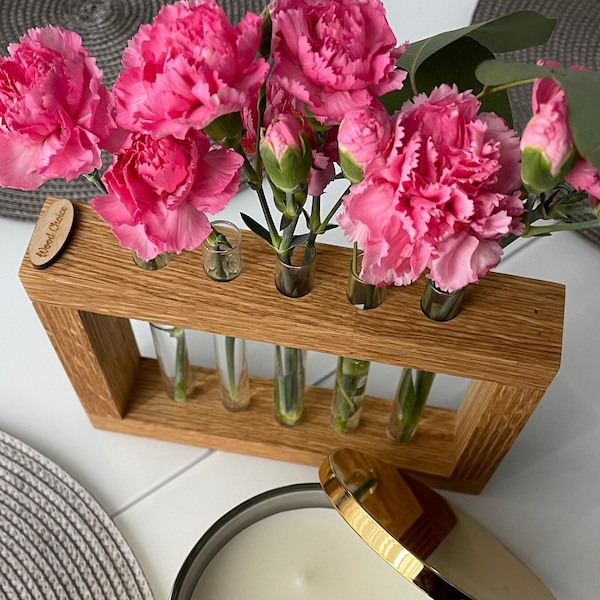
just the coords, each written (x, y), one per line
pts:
(514, 31)
(257, 228)
(455, 65)
(582, 91)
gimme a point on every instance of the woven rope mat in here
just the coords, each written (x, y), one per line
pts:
(574, 41)
(105, 27)
(55, 539)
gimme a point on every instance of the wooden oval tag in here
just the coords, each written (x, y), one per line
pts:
(51, 233)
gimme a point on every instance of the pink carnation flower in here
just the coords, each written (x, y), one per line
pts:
(334, 55)
(159, 190)
(443, 195)
(187, 68)
(55, 114)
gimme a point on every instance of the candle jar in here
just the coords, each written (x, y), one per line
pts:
(400, 538)
(173, 361)
(232, 368)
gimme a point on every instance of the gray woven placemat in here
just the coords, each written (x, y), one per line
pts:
(56, 542)
(105, 27)
(575, 41)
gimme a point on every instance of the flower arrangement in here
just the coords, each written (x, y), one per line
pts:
(307, 93)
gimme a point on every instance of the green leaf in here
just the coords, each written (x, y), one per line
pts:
(514, 31)
(455, 65)
(582, 91)
(285, 221)
(298, 240)
(256, 228)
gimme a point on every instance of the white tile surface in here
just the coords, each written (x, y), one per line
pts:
(39, 406)
(164, 527)
(543, 501)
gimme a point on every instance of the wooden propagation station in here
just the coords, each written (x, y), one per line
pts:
(507, 339)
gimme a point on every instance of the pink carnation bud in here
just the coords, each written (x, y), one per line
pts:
(547, 146)
(364, 134)
(286, 153)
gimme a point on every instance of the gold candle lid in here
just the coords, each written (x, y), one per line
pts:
(435, 546)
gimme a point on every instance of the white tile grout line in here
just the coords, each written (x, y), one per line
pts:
(157, 486)
(118, 512)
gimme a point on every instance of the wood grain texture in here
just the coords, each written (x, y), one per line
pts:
(99, 354)
(509, 330)
(507, 339)
(51, 233)
(203, 421)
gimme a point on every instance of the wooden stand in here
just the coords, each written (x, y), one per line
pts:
(507, 339)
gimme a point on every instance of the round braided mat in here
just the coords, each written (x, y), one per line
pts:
(55, 539)
(105, 27)
(575, 41)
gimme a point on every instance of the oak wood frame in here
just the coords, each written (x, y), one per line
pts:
(507, 339)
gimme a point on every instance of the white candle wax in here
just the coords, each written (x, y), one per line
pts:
(302, 554)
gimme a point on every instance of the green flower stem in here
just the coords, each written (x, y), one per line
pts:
(289, 385)
(94, 178)
(179, 381)
(230, 360)
(255, 181)
(410, 399)
(332, 212)
(286, 241)
(531, 230)
(350, 385)
(261, 107)
(219, 259)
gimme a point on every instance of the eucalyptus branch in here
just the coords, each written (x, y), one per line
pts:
(488, 90)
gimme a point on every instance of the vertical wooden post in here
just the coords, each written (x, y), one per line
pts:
(99, 354)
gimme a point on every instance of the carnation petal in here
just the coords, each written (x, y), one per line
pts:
(218, 180)
(183, 228)
(135, 238)
(17, 164)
